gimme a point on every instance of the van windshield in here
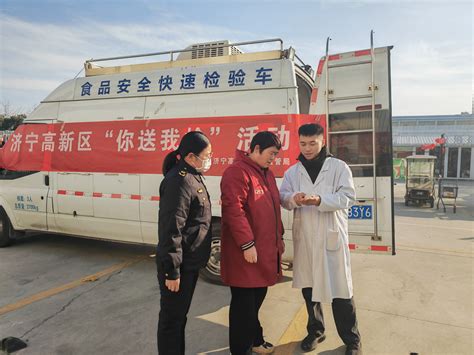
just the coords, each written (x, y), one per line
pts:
(420, 168)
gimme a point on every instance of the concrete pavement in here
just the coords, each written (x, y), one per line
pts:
(420, 300)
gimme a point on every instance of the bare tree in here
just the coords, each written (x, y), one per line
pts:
(8, 111)
(6, 108)
(10, 118)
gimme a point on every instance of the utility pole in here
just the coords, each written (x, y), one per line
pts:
(442, 152)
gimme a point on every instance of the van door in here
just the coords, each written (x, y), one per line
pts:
(72, 201)
(116, 203)
(25, 192)
(27, 195)
(149, 205)
(353, 92)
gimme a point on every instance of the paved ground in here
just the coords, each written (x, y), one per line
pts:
(420, 300)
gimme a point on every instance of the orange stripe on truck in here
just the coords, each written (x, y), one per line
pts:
(379, 248)
(362, 53)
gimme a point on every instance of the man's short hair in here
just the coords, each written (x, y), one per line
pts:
(310, 129)
(265, 140)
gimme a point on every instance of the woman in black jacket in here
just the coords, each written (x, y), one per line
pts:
(184, 236)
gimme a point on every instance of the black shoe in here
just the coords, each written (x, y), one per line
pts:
(311, 341)
(354, 349)
(265, 348)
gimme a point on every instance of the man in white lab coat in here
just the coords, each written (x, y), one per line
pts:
(319, 189)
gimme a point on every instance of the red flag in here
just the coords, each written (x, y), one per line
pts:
(428, 146)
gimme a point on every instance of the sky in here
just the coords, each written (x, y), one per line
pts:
(44, 43)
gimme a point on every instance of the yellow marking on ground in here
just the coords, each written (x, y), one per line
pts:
(293, 335)
(54, 291)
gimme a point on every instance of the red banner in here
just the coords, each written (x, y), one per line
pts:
(428, 146)
(140, 146)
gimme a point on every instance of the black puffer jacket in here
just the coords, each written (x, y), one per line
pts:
(184, 222)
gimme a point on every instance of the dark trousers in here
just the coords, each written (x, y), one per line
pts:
(174, 307)
(245, 330)
(344, 313)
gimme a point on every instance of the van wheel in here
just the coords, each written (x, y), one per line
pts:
(212, 271)
(6, 230)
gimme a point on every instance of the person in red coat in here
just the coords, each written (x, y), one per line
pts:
(251, 242)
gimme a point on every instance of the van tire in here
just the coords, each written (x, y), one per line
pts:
(212, 271)
(6, 229)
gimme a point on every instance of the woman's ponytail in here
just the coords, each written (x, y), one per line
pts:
(170, 161)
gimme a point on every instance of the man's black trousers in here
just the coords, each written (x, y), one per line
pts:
(245, 330)
(344, 313)
(174, 307)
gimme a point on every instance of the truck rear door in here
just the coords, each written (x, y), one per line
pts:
(353, 91)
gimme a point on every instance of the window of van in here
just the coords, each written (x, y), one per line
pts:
(12, 175)
(356, 148)
(304, 94)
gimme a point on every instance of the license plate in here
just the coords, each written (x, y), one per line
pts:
(360, 212)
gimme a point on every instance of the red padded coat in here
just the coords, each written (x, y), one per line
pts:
(250, 213)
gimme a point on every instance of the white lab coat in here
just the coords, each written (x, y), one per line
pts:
(320, 233)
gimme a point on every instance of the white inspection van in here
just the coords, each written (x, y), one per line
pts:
(87, 161)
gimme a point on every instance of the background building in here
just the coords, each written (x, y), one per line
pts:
(410, 133)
